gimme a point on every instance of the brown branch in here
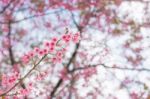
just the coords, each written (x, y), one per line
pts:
(23, 77)
(30, 17)
(10, 46)
(72, 82)
(7, 6)
(11, 56)
(129, 69)
(60, 81)
(108, 67)
(67, 66)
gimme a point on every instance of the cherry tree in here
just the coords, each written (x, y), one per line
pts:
(74, 49)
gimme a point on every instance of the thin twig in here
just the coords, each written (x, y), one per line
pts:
(7, 6)
(108, 67)
(24, 76)
(31, 17)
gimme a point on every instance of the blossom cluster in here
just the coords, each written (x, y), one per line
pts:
(8, 80)
(51, 47)
(56, 47)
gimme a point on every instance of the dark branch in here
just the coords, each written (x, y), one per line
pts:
(30, 17)
(11, 55)
(67, 66)
(60, 81)
(24, 77)
(108, 67)
(7, 6)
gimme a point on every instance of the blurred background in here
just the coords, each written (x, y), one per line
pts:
(111, 61)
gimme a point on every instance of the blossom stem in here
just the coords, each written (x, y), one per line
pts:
(34, 66)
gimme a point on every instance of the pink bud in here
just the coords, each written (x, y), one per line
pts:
(54, 39)
(36, 49)
(47, 44)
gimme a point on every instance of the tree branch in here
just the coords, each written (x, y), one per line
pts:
(60, 81)
(108, 67)
(11, 56)
(30, 17)
(24, 76)
(7, 6)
